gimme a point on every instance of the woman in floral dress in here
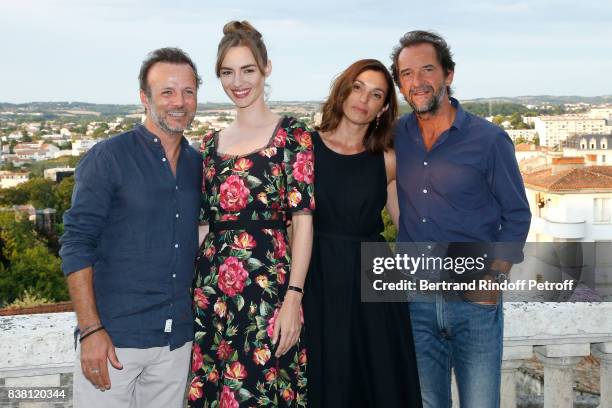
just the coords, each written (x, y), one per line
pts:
(258, 172)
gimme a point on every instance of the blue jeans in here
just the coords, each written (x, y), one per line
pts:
(463, 335)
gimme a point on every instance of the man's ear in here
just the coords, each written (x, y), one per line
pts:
(144, 99)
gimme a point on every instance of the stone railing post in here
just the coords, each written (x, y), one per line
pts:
(512, 359)
(559, 361)
(603, 352)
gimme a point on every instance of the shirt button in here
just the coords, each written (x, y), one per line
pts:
(424, 219)
(428, 246)
(174, 275)
(177, 215)
(425, 190)
(163, 159)
(176, 187)
(425, 163)
(155, 140)
(176, 245)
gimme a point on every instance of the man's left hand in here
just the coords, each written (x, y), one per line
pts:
(489, 297)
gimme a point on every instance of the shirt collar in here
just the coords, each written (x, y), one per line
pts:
(460, 115)
(153, 138)
(460, 121)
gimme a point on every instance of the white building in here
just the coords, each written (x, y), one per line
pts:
(526, 151)
(10, 179)
(35, 151)
(80, 146)
(601, 112)
(58, 173)
(596, 149)
(553, 130)
(527, 134)
(570, 202)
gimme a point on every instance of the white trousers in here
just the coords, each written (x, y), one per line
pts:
(151, 378)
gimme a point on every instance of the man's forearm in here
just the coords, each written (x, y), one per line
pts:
(80, 285)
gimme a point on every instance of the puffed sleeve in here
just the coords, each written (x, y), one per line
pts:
(208, 172)
(299, 168)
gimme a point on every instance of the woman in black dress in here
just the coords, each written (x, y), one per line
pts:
(359, 354)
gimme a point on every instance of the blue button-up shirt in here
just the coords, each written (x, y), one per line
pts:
(467, 188)
(135, 223)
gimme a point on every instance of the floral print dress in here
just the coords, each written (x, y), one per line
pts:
(242, 272)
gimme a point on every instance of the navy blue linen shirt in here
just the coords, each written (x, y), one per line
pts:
(467, 188)
(136, 223)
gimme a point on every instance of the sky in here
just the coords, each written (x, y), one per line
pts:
(91, 50)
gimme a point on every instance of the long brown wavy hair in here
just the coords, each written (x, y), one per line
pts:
(378, 136)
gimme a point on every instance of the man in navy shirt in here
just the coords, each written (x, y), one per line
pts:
(129, 245)
(457, 181)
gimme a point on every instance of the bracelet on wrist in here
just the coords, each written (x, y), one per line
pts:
(86, 329)
(89, 333)
(296, 289)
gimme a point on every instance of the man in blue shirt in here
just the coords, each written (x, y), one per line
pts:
(129, 246)
(457, 181)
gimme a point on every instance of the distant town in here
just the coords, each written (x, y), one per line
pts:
(563, 146)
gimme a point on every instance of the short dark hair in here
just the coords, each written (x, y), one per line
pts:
(168, 54)
(378, 136)
(443, 52)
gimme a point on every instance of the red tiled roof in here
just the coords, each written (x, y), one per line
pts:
(525, 147)
(568, 160)
(581, 178)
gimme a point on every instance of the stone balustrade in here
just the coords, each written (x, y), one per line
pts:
(38, 350)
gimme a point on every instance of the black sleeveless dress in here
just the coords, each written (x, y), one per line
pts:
(359, 354)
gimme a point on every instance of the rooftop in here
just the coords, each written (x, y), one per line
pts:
(593, 178)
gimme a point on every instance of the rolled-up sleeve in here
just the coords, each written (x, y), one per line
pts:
(509, 191)
(91, 203)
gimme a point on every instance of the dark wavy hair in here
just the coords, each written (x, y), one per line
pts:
(378, 136)
(443, 52)
(170, 55)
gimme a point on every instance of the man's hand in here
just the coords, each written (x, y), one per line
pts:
(489, 297)
(96, 349)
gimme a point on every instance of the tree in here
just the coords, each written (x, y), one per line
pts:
(40, 192)
(390, 232)
(9, 166)
(26, 262)
(536, 140)
(498, 119)
(100, 130)
(13, 196)
(63, 196)
(520, 140)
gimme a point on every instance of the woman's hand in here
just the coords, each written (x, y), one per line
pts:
(289, 323)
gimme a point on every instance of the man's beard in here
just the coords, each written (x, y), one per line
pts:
(161, 122)
(432, 105)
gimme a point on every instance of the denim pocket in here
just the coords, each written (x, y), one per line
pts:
(482, 305)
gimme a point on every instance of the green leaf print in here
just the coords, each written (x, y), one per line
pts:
(239, 301)
(253, 264)
(265, 309)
